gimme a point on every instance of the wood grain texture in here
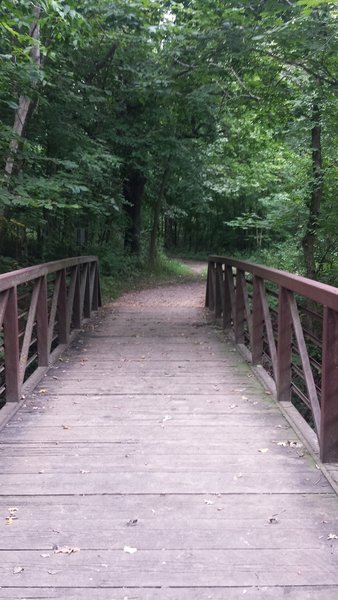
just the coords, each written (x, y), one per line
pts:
(152, 433)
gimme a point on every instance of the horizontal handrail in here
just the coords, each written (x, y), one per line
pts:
(314, 290)
(273, 328)
(40, 308)
(8, 280)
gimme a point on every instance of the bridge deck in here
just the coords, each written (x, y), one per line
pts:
(152, 434)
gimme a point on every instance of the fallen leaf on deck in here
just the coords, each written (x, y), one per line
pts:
(295, 444)
(132, 522)
(166, 418)
(291, 443)
(129, 550)
(66, 550)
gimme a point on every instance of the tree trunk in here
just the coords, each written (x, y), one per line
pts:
(20, 122)
(21, 113)
(310, 237)
(156, 218)
(133, 188)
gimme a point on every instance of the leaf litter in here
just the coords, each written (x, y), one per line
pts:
(129, 550)
(132, 523)
(66, 549)
(17, 570)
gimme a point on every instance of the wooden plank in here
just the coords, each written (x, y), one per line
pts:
(171, 533)
(102, 419)
(163, 482)
(305, 510)
(30, 462)
(147, 567)
(297, 592)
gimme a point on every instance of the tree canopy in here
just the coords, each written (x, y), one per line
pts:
(200, 125)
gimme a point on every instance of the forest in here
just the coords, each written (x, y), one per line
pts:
(132, 129)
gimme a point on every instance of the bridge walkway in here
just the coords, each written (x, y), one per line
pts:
(151, 465)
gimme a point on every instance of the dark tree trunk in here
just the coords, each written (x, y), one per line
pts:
(310, 237)
(133, 188)
(156, 218)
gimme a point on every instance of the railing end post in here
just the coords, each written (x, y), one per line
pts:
(284, 348)
(328, 437)
(11, 345)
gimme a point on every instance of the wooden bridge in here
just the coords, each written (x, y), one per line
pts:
(149, 462)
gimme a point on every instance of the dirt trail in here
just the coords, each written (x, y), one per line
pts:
(197, 266)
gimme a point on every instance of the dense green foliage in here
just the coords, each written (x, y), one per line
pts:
(200, 125)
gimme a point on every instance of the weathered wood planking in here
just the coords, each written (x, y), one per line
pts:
(152, 417)
(162, 593)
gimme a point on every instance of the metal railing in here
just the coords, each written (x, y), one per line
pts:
(288, 325)
(40, 307)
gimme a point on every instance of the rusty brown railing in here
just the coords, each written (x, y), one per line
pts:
(40, 308)
(288, 325)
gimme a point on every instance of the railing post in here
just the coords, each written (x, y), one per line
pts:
(239, 309)
(257, 323)
(228, 293)
(218, 293)
(77, 300)
(284, 349)
(95, 302)
(42, 324)
(210, 287)
(207, 290)
(329, 399)
(11, 345)
(86, 301)
(63, 330)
